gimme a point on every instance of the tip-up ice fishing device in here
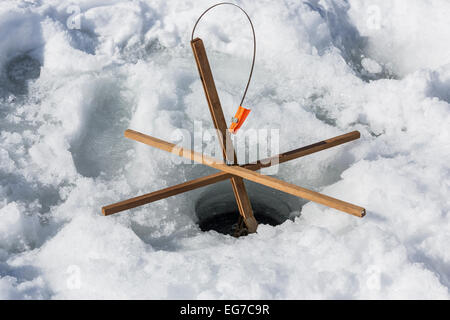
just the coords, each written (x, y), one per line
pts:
(235, 173)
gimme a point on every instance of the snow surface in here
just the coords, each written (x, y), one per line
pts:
(324, 67)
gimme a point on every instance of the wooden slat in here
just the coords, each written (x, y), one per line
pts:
(304, 151)
(164, 193)
(221, 176)
(215, 108)
(248, 174)
(212, 97)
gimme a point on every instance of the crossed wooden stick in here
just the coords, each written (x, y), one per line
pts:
(236, 173)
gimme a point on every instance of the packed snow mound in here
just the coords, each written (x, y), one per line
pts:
(74, 76)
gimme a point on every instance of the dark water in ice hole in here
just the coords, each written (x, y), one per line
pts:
(226, 222)
(216, 208)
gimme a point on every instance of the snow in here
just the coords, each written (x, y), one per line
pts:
(371, 65)
(323, 68)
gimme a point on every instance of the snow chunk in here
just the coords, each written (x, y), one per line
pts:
(371, 65)
(18, 231)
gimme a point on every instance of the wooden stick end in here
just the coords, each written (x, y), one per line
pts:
(251, 224)
(195, 40)
(127, 133)
(363, 213)
(108, 210)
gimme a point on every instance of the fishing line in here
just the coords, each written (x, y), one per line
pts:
(242, 114)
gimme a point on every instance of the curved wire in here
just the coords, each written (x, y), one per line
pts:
(254, 40)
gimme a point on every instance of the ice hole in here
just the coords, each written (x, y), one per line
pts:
(216, 208)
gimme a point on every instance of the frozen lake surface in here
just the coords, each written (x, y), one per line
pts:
(73, 78)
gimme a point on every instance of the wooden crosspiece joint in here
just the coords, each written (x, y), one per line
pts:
(235, 173)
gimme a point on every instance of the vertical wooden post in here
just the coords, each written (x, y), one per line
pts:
(242, 200)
